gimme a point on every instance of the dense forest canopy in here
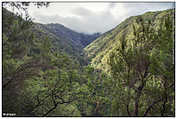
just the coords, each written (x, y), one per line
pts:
(51, 70)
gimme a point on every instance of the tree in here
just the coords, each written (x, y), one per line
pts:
(132, 64)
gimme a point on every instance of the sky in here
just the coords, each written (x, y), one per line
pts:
(92, 17)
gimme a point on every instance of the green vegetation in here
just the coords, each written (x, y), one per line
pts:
(131, 72)
(100, 49)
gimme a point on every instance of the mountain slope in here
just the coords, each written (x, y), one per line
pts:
(79, 39)
(31, 63)
(41, 76)
(66, 40)
(62, 38)
(100, 49)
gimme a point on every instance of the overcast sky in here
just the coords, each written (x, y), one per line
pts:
(92, 17)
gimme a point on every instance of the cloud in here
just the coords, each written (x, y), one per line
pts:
(92, 17)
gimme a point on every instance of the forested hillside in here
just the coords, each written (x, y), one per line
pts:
(68, 40)
(40, 77)
(139, 54)
(127, 71)
(99, 50)
(79, 39)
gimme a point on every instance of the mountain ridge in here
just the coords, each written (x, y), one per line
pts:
(99, 50)
(64, 39)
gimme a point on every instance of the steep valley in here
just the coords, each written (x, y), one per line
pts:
(67, 40)
(52, 70)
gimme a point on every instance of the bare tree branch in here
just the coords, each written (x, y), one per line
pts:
(150, 107)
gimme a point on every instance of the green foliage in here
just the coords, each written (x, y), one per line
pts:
(131, 73)
(145, 69)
